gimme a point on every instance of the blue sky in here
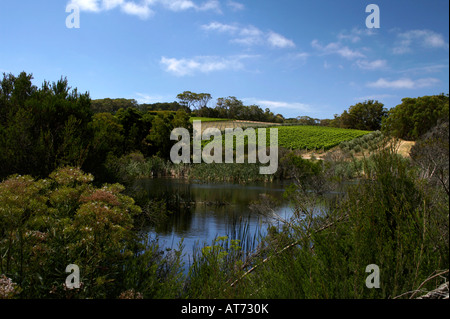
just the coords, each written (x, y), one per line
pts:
(308, 57)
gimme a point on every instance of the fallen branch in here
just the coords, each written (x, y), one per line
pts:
(282, 250)
(427, 280)
(419, 289)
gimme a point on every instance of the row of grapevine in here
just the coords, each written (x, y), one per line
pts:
(367, 142)
(315, 137)
(309, 137)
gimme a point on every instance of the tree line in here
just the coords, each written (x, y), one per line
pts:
(54, 125)
(42, 128)
(409, 120)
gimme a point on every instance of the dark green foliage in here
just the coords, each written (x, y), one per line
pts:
(43, 128)
(415, 116)
(112, 105)
(388, 220)
(194, 101)
(362, 116)
(168, 107)
(48, 224)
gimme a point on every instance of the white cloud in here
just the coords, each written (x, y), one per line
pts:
(202, 64)
(279, 41)
(371, 65)
(433, 68)
(86, 5)
(213, 5)
(144, 8)
(278, 104)
(403, 83)
(142, 11)
(235, 6)
(355, 34)
(337, 48)
(220, 27)
(148, 99)
(178, 5)
(250, 35)
(111, 4)
(301, 55)
(376, 97)
(424, 38)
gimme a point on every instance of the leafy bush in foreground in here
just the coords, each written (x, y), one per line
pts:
(47, 224)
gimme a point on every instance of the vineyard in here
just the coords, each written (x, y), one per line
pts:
(315, 137)
(295, 137)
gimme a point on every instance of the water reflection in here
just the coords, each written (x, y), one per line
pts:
(201, 212)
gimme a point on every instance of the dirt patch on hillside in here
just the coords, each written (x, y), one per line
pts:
(404, 148)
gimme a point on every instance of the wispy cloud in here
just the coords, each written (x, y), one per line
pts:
(371, 65)
(278, 41)
(143, 98)
(278, 104)
(337, 48)
(424, 38)
(355, 35)
(202, 64)
(326, 65)
(297, 56)
(145, 8)
(432, 68)
(142, 11)
(403, 83)
(235, 6)
(221, 27)
(250, 35)
(376, 97)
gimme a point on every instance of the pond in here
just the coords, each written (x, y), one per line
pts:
(210, 210)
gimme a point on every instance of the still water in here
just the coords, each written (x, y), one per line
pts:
(209, 210)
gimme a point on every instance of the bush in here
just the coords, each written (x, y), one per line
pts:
(48, 224)
(415, 116)
(387, 220)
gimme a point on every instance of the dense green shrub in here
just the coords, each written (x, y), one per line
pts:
(415, 116)
(47, 224)
(388, 220)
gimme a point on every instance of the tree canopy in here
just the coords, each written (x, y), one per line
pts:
(367, 116)
(42, 128)
(194, 101)
(415, 116)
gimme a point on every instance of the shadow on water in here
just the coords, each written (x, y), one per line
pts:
(202, 212)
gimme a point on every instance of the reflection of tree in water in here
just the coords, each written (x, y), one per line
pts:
(182, 207)
(163, 203)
